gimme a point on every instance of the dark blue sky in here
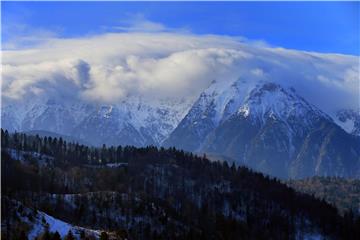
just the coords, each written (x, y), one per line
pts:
(314, 26)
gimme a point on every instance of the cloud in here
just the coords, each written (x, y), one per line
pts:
(110, 67)
(138, 23)
(20, 35)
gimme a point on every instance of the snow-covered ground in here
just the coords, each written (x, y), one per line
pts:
(41, 221)
(313, 236)
(116, 165)
(24, 156)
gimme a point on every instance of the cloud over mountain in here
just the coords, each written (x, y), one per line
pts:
(109, 67)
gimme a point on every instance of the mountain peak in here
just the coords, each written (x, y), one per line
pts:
(274, 101)
(268, 127)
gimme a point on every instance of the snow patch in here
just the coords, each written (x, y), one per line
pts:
(116, 165)
(347, 125)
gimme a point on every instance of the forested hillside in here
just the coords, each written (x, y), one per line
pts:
(343, 193)
(49, 186)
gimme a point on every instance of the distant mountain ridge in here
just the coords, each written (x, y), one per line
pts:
(262, 125)
(131, 122)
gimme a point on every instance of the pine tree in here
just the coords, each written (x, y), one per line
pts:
(3, 145)
(103, 154)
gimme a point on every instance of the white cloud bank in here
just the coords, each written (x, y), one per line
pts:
(110, 67)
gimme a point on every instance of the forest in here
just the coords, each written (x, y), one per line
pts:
(153, 193)
(344, 193)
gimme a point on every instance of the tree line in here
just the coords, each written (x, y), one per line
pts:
(70, 152)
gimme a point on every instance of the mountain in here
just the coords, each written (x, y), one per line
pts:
(260, 124)
(288, 113)
(269, 128)
(277, 110)
(132, 122)
(153, 194)
(52, 115)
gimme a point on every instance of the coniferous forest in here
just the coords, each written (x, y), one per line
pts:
(125, 192)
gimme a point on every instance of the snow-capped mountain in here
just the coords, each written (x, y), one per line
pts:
(261, 124)
(131, 122)
(269, 128)
(257, 102)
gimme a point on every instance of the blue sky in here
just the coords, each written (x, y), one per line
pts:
(314, 26)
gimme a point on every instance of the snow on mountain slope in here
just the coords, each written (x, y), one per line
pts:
(273, 100)
(159, 118)
(27, 157)
(226, 98)
(130, 122)
(43, 114)
(213, 106)
(265, 126)
(220, 101)
(37, 222)
(349, 120)
(55, 225)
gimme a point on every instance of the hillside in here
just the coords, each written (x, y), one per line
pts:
(152, 193)
(341, 192)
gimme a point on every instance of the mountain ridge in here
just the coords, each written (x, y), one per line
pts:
(261, 124)
(267, 130)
